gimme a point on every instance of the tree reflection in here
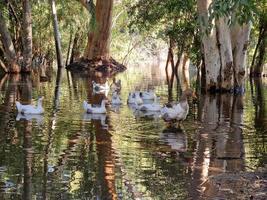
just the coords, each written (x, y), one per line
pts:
(219, 146)
(25, 93)
(105, 159)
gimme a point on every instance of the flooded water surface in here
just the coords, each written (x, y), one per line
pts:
(69, 154)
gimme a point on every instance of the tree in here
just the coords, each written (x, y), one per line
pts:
(27, 37)
(56, 34)
(169, 21)
(225, 46)
(260, 52)
(8, 46)
(98, 43)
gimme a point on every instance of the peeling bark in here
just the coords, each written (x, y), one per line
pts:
(211, 51)
(225, 47)
(240, 39)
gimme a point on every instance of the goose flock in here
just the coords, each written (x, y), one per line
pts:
(143, 103)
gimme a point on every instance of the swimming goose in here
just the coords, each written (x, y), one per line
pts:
(134, 97)
(30, 109)
(148, 95)
(179, 111)
(155, 107)
(89, 108)
(115, 100)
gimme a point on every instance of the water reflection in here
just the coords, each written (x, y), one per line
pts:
(219, 147)
(175, 138)
(69, 154)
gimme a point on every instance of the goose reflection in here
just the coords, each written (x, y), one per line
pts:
(175, 138)
(115, 108)
(146, 114)
(30, 117)
(98, 117)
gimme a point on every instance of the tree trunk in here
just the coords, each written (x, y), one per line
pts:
(99, 40)
(27, 36)
(183, 71)
(56, 34)
(260, 59)
(240, 38)
(211, 51)
(225, 47)
(74, 51)
(69, 47)
(8, 45)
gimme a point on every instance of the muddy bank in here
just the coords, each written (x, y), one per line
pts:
(88, 67)
(243, 185)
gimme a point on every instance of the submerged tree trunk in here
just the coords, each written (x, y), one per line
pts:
(240, 39)
(225, 47)
(99, 40)
(27, 37)
(56, 34)
(210, 48)
(8, 45)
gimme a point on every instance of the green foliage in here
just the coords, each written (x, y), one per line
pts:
(168, 20)
(241, 11)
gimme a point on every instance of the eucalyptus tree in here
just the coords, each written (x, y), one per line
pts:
(225, 28)
(98, 44)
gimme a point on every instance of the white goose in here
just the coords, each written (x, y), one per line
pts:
(30, 109)
(89, 108)
(179, 111)
(100, 87)
(115, 99)
(134, 98)
(148, 95)
(154, 107)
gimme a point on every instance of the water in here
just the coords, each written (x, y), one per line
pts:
(67, 154)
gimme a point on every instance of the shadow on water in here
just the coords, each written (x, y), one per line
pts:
(70, 154)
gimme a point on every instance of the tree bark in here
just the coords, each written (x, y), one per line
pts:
(56, 34)
(99, 40)
(69, 48)
(211, 51)
(260, 59)
(74, 50)
(183, 71)
(225, 47)
(27, 36)
(240, 39)
(8, 45)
